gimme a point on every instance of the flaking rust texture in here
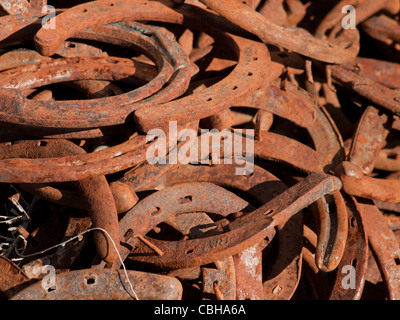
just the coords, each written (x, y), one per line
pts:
(309, 195)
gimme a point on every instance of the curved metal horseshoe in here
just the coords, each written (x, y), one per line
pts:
(303, 43)
(364, 9)
(60, 114)
(96, 192)
(105, 284)
(180, 254)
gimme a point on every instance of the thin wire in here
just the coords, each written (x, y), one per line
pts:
(11, 220)
(62, 244)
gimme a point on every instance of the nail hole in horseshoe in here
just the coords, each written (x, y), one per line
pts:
(209, 99)
(397, 261)
(250, 74)
(186, 199)
(268, 212)
(128, 234)
(189, 251)
(84, 10)
(354, 263)
(90, 281)
(51, 289)
(353, 222)
(156, 211)
(42, 143)
(234, 88)
(277, 290)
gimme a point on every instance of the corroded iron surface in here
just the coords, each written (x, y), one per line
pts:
(279, 174)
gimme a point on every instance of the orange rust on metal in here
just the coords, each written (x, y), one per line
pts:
(17, 20)
(17, 58)
(105, 284)
(355, 255)
(96, 192)
(153, 210)
(384, 72)
(364, 10)
(382, 28)
(388, 160)
(329, 252)
(323, 187)
(281, 284)
(385, 190)
(69, 168)
(224, 175)
(299, 107)
(11, 276)
(180, 254)
(68, 69)
(220, 281)
(383, 96)
(63, 114)
(15, 6)
(248, 268)
(241, 82)
(384, 244)
(369, 138)
(301, 157)
(303, 43)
